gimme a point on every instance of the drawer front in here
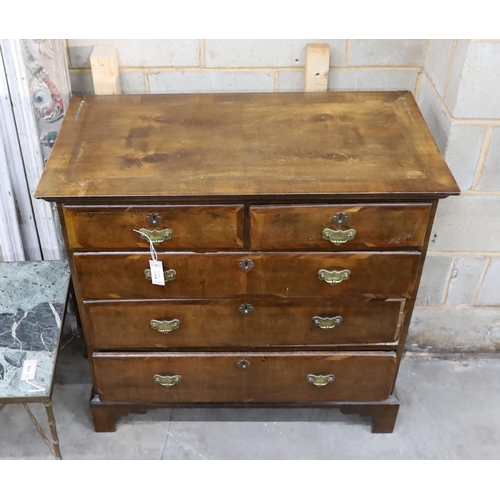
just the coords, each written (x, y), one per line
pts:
(239, 324)
(288, 275)
(180, 227)
(360, 227)
(244, 377)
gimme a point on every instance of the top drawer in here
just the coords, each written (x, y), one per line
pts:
(339, 227)
(174, 227)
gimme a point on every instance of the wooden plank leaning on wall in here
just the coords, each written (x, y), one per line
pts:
(106, 73)
(317, 67)
(105, 70)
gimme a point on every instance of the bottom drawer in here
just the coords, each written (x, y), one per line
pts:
(244, 377)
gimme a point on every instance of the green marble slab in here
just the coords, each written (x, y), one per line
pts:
(32, 299)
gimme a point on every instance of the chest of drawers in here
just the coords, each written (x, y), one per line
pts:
(292, 230)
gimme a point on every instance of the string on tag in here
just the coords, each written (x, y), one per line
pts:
(156, 267)
(38, 388)
(152, 249)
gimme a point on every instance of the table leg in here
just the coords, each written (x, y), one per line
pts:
(74, 305)
(53, 430)
(72, 308)
(54, 446)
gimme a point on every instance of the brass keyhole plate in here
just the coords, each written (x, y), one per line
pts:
(340, 218)
(245, 309)
(243, 364)
(153, 219)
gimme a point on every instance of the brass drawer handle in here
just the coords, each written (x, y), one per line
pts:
(169, 274)
(320, 380)
(157, 236)
(165, 326)
(333, 277)
(327, 323)
(338, 236)
(167, 380)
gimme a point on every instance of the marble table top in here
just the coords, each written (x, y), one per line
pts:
(32, 299)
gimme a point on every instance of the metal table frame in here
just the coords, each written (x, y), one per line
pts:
(47, 401)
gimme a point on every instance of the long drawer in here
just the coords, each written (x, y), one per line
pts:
(171, 227)
(286, 275)
(339, 227)
(238, 324)
(244, 377)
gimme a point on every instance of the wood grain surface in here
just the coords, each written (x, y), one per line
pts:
(107, 227)
(267, 144)
(272, 377)
(286, 275)
(301, 227)
(219, 323)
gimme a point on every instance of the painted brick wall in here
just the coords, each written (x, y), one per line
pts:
(456, 84)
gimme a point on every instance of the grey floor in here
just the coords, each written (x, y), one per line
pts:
(450, 410)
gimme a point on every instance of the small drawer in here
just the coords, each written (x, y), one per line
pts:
(339, 227)
(226, 275)
(244, 377)
(240, 324)
(170, 227)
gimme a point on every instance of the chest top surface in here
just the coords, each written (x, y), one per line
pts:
(324, 145)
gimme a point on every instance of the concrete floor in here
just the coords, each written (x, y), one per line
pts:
(450, 410)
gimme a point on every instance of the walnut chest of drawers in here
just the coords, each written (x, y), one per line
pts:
(292, 229)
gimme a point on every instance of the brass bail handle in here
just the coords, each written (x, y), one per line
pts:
(156, 236)
(339, 236)
(327, 323)
(169, 274)
(320, 380)
(165, 326)
(333, 277)
(167, 380)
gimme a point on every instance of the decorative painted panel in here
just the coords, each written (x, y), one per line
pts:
(45, 62)
(37, 97)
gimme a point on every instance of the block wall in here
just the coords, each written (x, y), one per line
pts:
(160, 66)
(459, 300)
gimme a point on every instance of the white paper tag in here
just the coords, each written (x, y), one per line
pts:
(29, 369)
(157, 277)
